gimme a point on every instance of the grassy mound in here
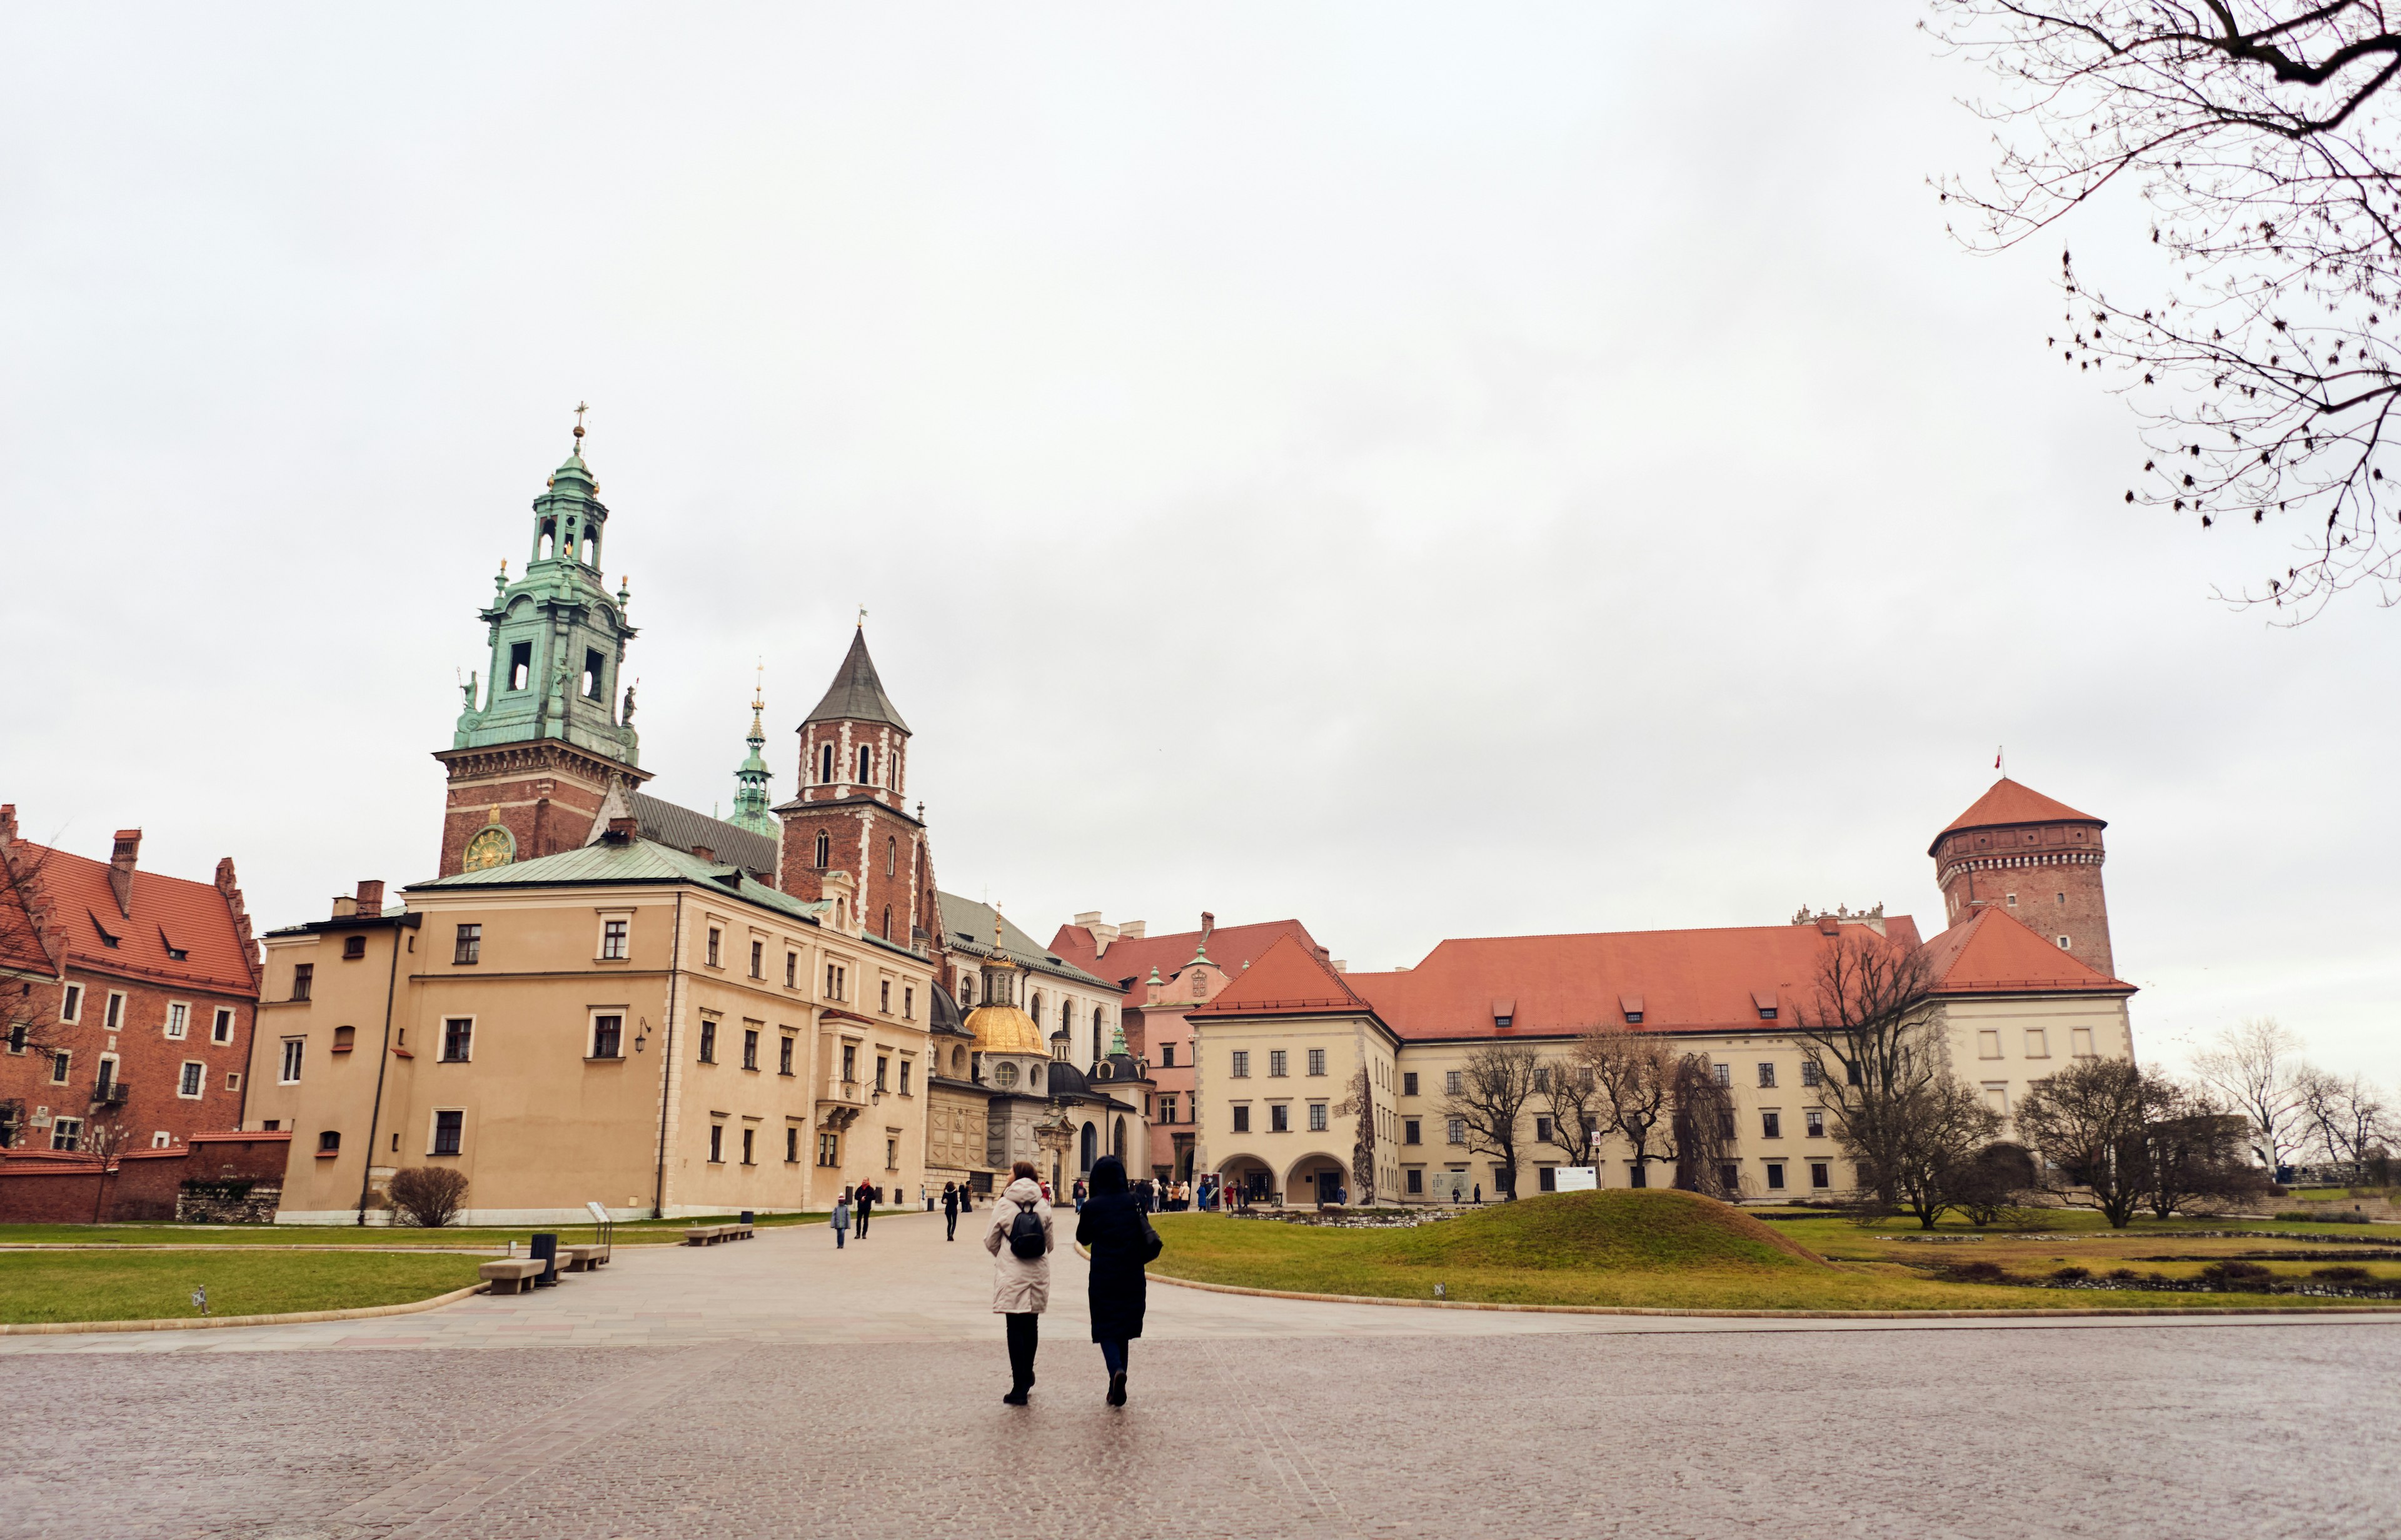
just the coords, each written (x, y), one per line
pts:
(1617, 1229)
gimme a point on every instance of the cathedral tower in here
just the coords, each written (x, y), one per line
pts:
(2033, 859)
(851, 814)
(529, 765)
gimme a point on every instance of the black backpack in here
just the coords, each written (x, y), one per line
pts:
(1026, 1239)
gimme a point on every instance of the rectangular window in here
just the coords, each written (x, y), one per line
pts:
(2063, 943)
(792, 970)
(595, 675)
(1409, 1083)
(904, 1076)
(71, 1003)
(1317, 1061)
(1997, 1096)
(448, 1129)
(784, 1058)
(1242, 1120)
(2038, 1044)
(1821, 1175)
(1450, 1082)
(1280, 1119)
(233, 1080)
(1542, 1133)
(717, 1144)
(1546, 1178)
(17, 1031)
(469, 947)
(221, 1031)
(290, 1075)
(303, 975)
(749, 1048)
(1279, 1063)
(748, 1137)
(1167, 1109)
(607, 1036)
(758, 969)
(1988, 1045)
(707, 1041)
(159, 1140)
(1814, 1124)
(58, 1065)
(354, 947)
(1317, 1117)
(1725, 1123)
(458, 1039)
(1810, 1074)
(1411, 1131)
(882, 1064)
(2079, 1042)
(614, 940)
(67, 1134)
(1771, 1125)
(520, 664)
(792, 1145)
(1415, 1182)
(1242, 1070)
(909, 1005)
(849, 1063)
(715, 947)
(189, 1087)
(1730, 1177)
(178, 1018)
(1456, 1131)
(329, 1142)
(891, 1154)
(829, 1150)
(1775, 1178)
(1722, 1073)
(114, 1017)
(1767, 1077)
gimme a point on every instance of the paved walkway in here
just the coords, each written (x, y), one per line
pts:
(775, 1388)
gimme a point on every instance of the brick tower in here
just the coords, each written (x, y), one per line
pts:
(851, 814)
(529, 766)
(2033, 859)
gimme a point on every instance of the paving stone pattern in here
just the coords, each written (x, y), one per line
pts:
(803, 1395)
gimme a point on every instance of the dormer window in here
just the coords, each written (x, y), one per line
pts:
(1633, 1018)
(1765, 1000)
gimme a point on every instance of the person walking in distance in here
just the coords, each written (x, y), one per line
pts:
(950, 1211)
(839, 1218)
(1112, 1226)
(1020, 1239)
(866, 1206)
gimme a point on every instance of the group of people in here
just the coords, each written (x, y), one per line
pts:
(860, 1200)
(1149, 1196)
(1112, 1225)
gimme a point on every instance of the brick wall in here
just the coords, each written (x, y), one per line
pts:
(40, 1188)
(150, 1064)
(2053, 870)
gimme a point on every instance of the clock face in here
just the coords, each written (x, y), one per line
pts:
(1004, 1075)
(490, 847)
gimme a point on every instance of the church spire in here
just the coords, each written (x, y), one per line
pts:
(751, 799)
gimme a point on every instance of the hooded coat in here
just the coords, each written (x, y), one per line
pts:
(1113, 1228)
(1021, 1285)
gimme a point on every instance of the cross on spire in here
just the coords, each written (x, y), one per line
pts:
(580, 410)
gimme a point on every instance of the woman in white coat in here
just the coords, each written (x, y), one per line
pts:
(1021, 1284)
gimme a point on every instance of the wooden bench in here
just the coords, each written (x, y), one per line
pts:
(512, 1275)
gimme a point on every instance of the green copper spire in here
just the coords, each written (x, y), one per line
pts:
(558, 635)
(750, 782)
(1116, 1040)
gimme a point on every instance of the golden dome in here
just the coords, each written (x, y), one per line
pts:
(1006, 1029)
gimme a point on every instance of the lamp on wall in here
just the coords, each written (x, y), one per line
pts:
(641, 1034)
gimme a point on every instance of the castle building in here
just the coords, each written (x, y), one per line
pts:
(2040, 861)
(127, 1000)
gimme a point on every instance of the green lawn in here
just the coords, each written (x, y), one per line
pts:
(143, 1286)
(637, 1232)
(1652, 1249)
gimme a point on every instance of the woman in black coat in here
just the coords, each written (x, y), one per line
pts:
(1115, 1230)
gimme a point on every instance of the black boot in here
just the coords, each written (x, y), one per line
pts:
(1116, 1388)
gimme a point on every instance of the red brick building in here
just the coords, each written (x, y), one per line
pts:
(127, 997)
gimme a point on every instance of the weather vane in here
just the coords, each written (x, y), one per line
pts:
(862, 617)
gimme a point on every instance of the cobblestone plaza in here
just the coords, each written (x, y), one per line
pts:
(781, 1388)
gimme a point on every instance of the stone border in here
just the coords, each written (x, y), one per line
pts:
(2134, 1314)
(60, 1329)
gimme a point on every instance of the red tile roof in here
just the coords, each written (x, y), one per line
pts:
(191, 917)
(1288, 979)
(2008, 802)
(1229, 947)
(1994, 952)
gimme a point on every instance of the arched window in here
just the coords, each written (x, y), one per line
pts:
(1096, 1030)
(865, 766)
(1034, 1076)
(825, 851)
(1118, 1144)
(891, 863)
(825, 766)
(1088, 1148)
(1034, 1007)
(958, 1064)
(887, 922)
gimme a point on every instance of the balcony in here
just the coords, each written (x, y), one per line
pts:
(110, 1094)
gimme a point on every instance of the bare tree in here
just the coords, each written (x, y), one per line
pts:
(1989, 1183)
(2090, 1123)
(1871, 1044)
(2255, 1066)
(2346, 1118)
(1634, 1084)
(1578, 1117)
(1934, 1132)
(1702, 1128)
(2193, 1149)
(1494, 1086)
(103, 1143)
(1359, 1102)
(29, 1022)
(2265, 369)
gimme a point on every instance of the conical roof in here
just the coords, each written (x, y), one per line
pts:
(2010, 801)
(856, 694)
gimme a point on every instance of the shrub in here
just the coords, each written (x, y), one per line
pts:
(2123, 1274)
(2342, 1274)
(2323, 1216)
(2072, 1274)
(2278, 1189)
(428, 1196)
(1977, 1272)
(2238, 1277)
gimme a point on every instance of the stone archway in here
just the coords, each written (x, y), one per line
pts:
(1248, 1175)
(1317, 1178)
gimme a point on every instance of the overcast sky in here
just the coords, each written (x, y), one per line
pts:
(1451, 472)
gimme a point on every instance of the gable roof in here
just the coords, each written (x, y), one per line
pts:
(856, 694)
(2007, 802)
(668, 824)
(1129, 958)
(967, 927)
(1289, 979)
(192, 917)
(1994, 952)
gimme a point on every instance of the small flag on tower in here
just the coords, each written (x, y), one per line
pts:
(1997, 759)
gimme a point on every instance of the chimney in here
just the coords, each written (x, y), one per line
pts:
(7, 823)
(370, 900)
(120, 869)
(345, 906)
(1208, 924)
(1829, 926)
(622, 831)
(1131, 930)
(703, 852)
(1342, 966)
